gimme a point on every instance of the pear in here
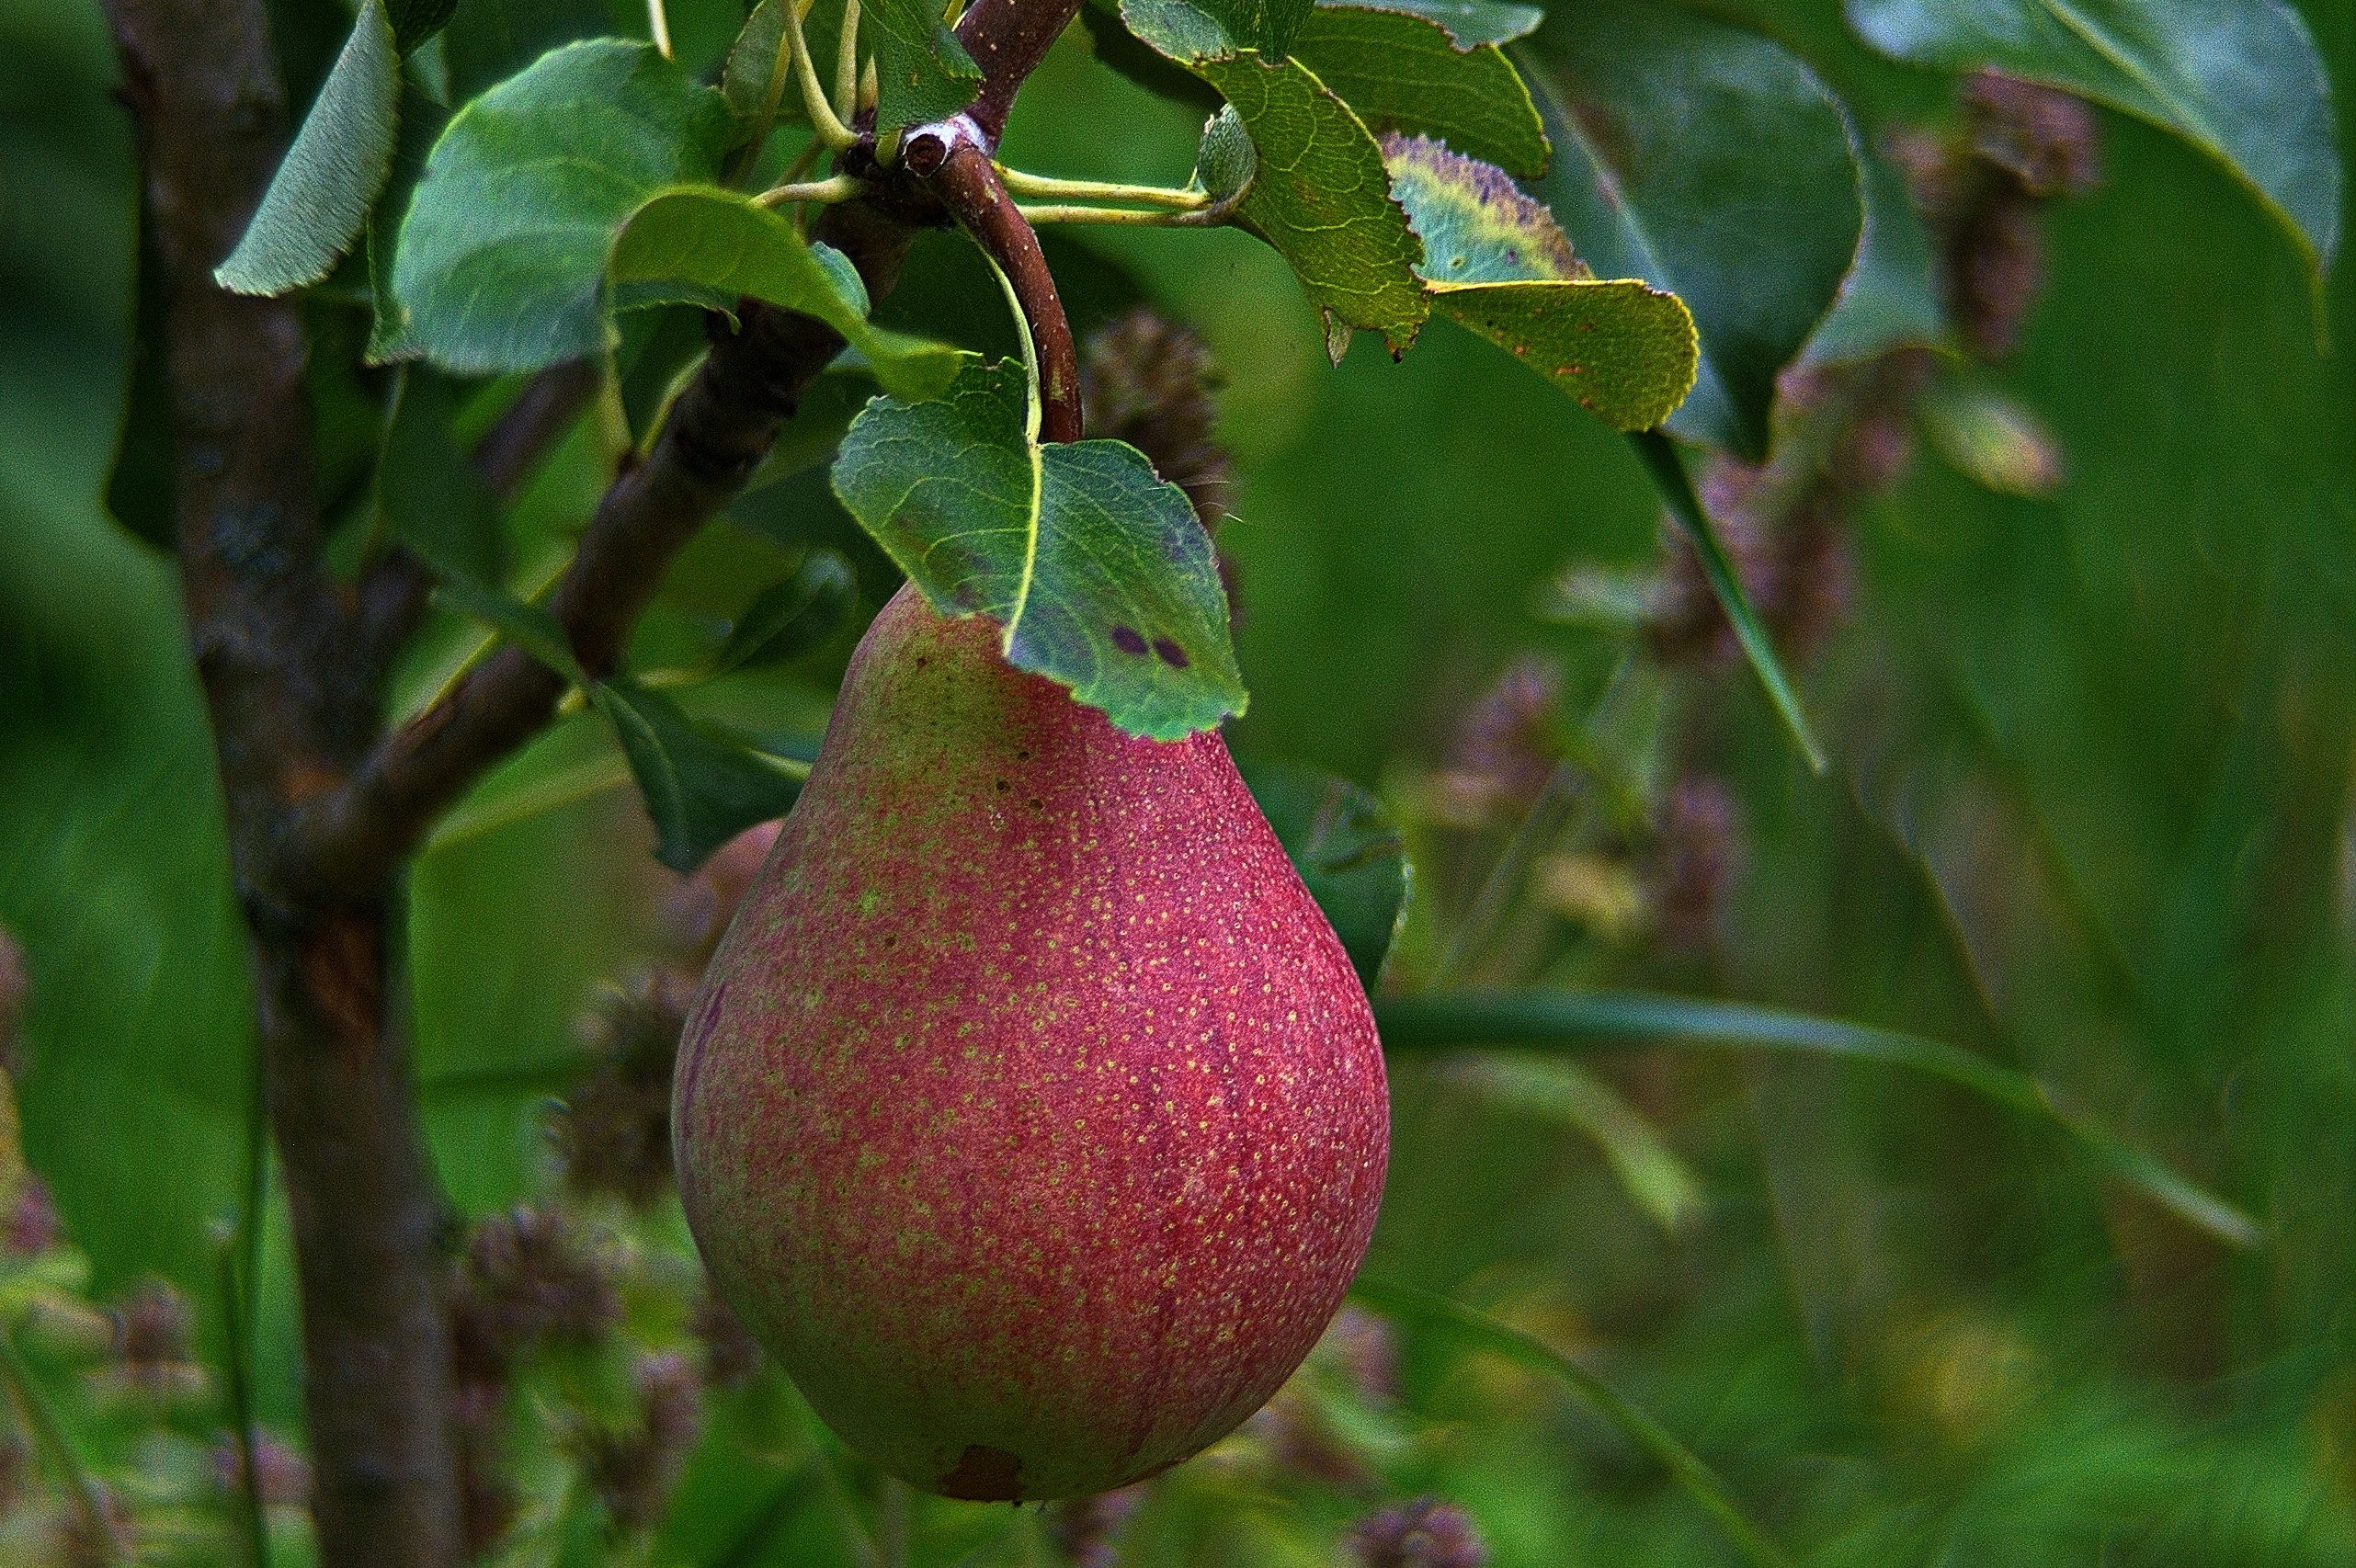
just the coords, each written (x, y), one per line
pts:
(1031, 1112)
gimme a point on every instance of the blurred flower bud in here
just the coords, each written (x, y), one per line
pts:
(1995, 266)
(633, 1472)
(13, 987)
(96, 1530)
(613, 1131)
(1697, 853)
(151, 1342)
(1366, 1350)
(1299, 1442)
(526, 1281)
(1425, 1533)
(695, 914)
(2043, 137)
(1505, 748)
(1150, 382)
(32, 1226)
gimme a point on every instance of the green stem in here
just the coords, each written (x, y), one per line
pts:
(1607, 1020)
(835, 187)
(1667, 473)
(1199, 217)
(1046, 187)
(847, 65)
(822, 119)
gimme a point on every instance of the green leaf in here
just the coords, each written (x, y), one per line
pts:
(1709, 162)
(502, 259)
(414, 21)
(1225, 161)
(746, 73)
(1421, 1310)
(1475, 223)
(1663, 1186)
(1098, 571)
(1122, 51)
(1559, 1020)
(318, 202)
(422, 123)
(2239, 79)
(702, 789)
(1401, 72)
(922, 73)
(1890, 297)
(1676, 487)
(751, 64)
(1192, 31)
(1498, 264)
(1319, 195)
(1321, 198)
(426, 492)
(1347, 849)
(711, 246)
(787, 620)
(529, 626)
(1472, 22)
(489, 40)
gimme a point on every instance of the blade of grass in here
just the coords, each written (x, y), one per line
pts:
(50, 1434)
(1412, 1308)
(1606, 1020)
(1667, 471)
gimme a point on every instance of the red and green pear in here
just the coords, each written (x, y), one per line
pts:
(1030, 1111)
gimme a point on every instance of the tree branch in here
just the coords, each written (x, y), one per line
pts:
(292, 699)
(716, 434)
(1008, 38)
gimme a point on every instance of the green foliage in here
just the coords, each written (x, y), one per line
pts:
(1668, 470)
(1100, 573)
(1347, 849)
(701, 790)
(426, 492)
(1497, 263)
(319, 200)
(1402, 73)
(1190, 31)
(2240, 79)
(1424, 1311)
(502, 259)
(1890, 297)
(1559, 1020)
(1671, 133)
(787, 620)
(923, 72)
(711, 247)
(753, 65)
(1319, 195)
(1472, 23)
(2087, 733)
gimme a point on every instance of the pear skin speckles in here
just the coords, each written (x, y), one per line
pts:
(1077, 1153)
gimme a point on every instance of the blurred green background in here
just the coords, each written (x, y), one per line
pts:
(2087, 814)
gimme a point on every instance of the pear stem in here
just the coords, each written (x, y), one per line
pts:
(951, 156)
